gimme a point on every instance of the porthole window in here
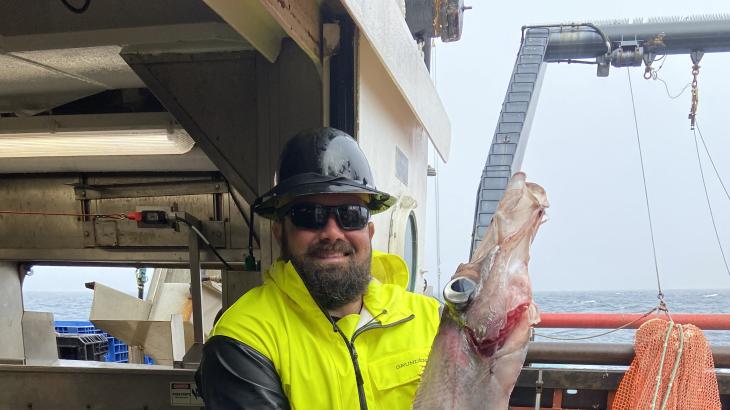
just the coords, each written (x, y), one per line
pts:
(410, 249)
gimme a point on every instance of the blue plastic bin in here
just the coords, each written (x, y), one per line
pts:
(118, 350)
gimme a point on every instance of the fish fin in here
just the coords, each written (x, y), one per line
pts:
(533, 314)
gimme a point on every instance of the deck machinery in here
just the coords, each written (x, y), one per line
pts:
(616, 43)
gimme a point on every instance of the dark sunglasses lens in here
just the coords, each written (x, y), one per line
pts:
(309, 216)
(352, 217)
(313, 216)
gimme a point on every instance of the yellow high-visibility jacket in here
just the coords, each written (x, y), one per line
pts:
(315, 365)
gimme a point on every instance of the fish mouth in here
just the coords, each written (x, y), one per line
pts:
(488, 347)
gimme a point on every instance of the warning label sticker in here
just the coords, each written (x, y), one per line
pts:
(184, 394)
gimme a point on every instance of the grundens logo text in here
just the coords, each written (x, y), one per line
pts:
(411, 362)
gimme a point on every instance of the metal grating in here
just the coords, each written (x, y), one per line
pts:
(510, 137)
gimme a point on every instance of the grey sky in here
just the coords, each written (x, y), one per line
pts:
(583, 150)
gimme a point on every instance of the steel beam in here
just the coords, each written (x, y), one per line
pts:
(591, 379)
(11, 315)
(302, 21)
(599, 354)
(193, 356)
(661, 35)
(264, 23)
(73, 384)
(151, 257)
(150, 189)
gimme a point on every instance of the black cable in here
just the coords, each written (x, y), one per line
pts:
(77, 10)
(205, 241)
(571, 61)
(250, 233)
(245, 217)
(592, 26)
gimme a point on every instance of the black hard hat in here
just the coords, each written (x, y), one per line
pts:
(322, 161)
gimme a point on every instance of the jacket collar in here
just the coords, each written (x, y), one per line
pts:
(381, 300)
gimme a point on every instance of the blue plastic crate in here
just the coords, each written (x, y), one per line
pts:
(76, 326)
(118, 350)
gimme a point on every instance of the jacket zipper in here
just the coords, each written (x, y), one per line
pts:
(353, 353)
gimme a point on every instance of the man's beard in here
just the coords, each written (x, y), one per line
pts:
(331, 286)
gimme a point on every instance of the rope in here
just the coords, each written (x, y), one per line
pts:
(660, 294)
(599, 334)
(677, 360)
(709, 205)
(661, 365)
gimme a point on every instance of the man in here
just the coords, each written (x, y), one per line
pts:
(332, 326)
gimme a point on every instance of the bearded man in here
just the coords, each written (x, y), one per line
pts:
(332, 326)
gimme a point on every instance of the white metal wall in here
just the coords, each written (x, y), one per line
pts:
(384, 122)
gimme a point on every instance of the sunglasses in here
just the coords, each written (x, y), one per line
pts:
(315, 216)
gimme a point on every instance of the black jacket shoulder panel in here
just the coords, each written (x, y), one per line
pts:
(233, 375)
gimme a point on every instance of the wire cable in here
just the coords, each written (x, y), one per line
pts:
(660, 295)
(697, 123)
(654, 75)
(205, 241)
(709, 206)
(666, 86)
(77, 10)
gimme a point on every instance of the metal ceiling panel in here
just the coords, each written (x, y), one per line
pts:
(102, 65)
(27, 88)
(36, 81)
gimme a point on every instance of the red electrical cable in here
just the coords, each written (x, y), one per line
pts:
(112, 216)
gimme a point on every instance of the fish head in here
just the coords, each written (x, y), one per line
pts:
(491, 296)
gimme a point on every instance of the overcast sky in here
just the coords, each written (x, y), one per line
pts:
(583, 150)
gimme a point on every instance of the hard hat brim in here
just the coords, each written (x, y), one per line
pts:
(285, 192)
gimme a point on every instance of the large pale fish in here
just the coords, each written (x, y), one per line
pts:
(482, 340)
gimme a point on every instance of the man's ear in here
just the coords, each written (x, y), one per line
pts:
(371, 229)
(277, 230)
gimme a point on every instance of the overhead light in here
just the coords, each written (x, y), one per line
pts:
(92, 135)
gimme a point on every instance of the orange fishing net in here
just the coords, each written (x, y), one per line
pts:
(679, 376)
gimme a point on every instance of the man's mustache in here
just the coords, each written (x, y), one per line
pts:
(326, 247)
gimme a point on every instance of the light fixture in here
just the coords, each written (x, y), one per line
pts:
(92, 135)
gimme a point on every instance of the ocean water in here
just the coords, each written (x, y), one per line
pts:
(65, 305)
(76, 306)
(678, 301)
